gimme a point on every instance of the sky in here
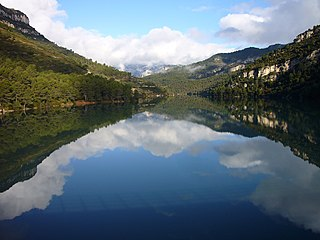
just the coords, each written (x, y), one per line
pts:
(121, 32)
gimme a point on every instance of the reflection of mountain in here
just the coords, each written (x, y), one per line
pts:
(25, 140)
(154, 133)
(203, 111)
(292, 125)
(286, 185)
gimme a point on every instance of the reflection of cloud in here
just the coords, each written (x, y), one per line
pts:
(296, 200)
(36, 192)
(292, 191)
(292, 188)
(154, 133)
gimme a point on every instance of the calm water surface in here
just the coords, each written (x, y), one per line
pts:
(154, 175)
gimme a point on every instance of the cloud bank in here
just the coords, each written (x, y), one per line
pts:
(280, 22)
(159, 46)
(244, 25)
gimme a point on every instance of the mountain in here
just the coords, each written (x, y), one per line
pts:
(220, 63)
(143, 70)
(20, 21)
(291, 72)
(228, 62)
(197, 77)
(36, 73)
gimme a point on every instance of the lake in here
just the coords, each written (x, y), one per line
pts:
(186, 168)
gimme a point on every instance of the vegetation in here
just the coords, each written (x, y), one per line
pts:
(223, 63)
(175, 83)
(200, 76)
(291, 71)
(294, 125)
(27, 139)
(38, 74)
(296, 73)
(23, 86)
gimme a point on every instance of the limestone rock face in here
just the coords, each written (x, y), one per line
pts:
(315, 54)
(14, 15)
(303, 36)
(237, 68)
(269, 72)
(18, 20)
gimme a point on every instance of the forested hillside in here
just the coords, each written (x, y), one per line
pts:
(199, 76)
(290, 72)
(36, 73)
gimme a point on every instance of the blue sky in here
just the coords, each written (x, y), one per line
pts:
(124, 17)
(125, 32)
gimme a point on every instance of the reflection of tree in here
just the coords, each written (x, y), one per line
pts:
(280, 121)
(290, 124)
(154, 133)
(25, 140)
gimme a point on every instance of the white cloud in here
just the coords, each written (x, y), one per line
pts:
(280, 22)
(197, 35)
(240, 26)
(160, 45)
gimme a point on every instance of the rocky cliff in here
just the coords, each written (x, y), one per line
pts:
(228, 62)
(291, 72)
(304, 36)
(305, 48)
(19, 21)
(269, 72)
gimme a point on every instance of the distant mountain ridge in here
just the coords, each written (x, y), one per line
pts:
(219, 63)
(292, 71)
(229, 62)
(196, 77)
(143, 70)
(287, 71)
(20, 21)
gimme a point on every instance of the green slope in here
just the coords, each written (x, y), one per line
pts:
(36, 73)
(290, 72)
(199, 76)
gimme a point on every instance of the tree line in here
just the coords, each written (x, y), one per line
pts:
(22, 86)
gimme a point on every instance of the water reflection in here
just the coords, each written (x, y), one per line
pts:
(292, 189)
(154, 133)
(289, 185)
(27, 139)
(293, 125)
